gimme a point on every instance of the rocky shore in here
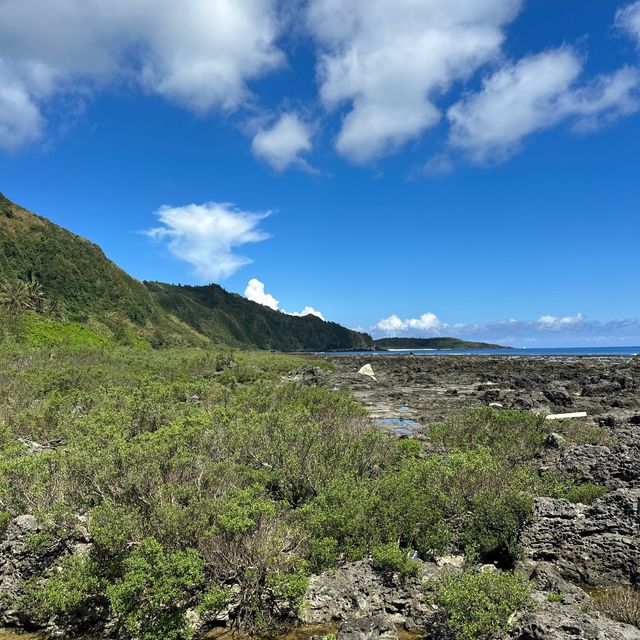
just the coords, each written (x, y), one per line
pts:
(569, 549)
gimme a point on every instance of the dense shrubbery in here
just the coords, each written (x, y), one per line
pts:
(208, 481)
(478, 603)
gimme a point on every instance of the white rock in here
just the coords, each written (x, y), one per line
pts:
(367, 371)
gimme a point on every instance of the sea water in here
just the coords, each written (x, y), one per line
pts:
(556, 351)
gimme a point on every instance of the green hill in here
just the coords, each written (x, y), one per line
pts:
(93, 290)
(432, 343)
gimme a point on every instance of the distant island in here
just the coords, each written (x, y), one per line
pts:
(432, 343)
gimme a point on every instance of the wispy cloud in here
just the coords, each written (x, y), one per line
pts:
(255, 291)
(205, 236)
(628, 19)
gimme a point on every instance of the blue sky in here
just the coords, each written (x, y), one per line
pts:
(452, 167)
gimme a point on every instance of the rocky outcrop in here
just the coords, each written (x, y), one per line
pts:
(594, 545)
(562, 611)
(357, 590)
(29, 551)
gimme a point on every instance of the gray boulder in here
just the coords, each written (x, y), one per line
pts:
(593, 545)
(356, 590)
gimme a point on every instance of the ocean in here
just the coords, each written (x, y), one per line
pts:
(556, 351)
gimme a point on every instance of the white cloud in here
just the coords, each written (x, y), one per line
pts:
(197, 53)
(255, 292)
(205, 235)
(308, 311)
(555, 322)
(536, 93)
(283, 143)
(426, 322)
(390, 60)
(546, 331)
(628, 19)
(20, 119)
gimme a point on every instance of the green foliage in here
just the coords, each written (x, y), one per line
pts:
(287, 591)
(215, 599)
(71, 583)
(555, 597)
(155, 591)
(585, 493)
(235, 321)
(113, 527)
(209, 467)
(47, 332)
(478, 603)
(389, 559)
(5, 519)
(516, 436)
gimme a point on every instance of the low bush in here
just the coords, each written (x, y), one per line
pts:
(586, 493)
(478, 603)
(73, 581)
(155, 591)
(620, 603)
(390, 559)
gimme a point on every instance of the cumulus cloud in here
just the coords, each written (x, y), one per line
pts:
(555, 322)
(389, 61)
(628, 19)
(533, 94)
(205, 236)
(255, 292)
(282, 144)
(426, 322)
(308, 311)
(197, 53)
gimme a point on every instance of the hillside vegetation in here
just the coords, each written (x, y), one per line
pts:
(432, 343)
(76, 275)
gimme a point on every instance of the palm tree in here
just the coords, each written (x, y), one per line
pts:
(38, 301)
(14, 296)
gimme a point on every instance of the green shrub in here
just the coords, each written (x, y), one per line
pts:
(585, 493)
(286, 591)
(5, 519)
(71, 582)
(156, 590)
(390, 559)
(214, 599)
(515, 436)
(478, 603)
(555, 597)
